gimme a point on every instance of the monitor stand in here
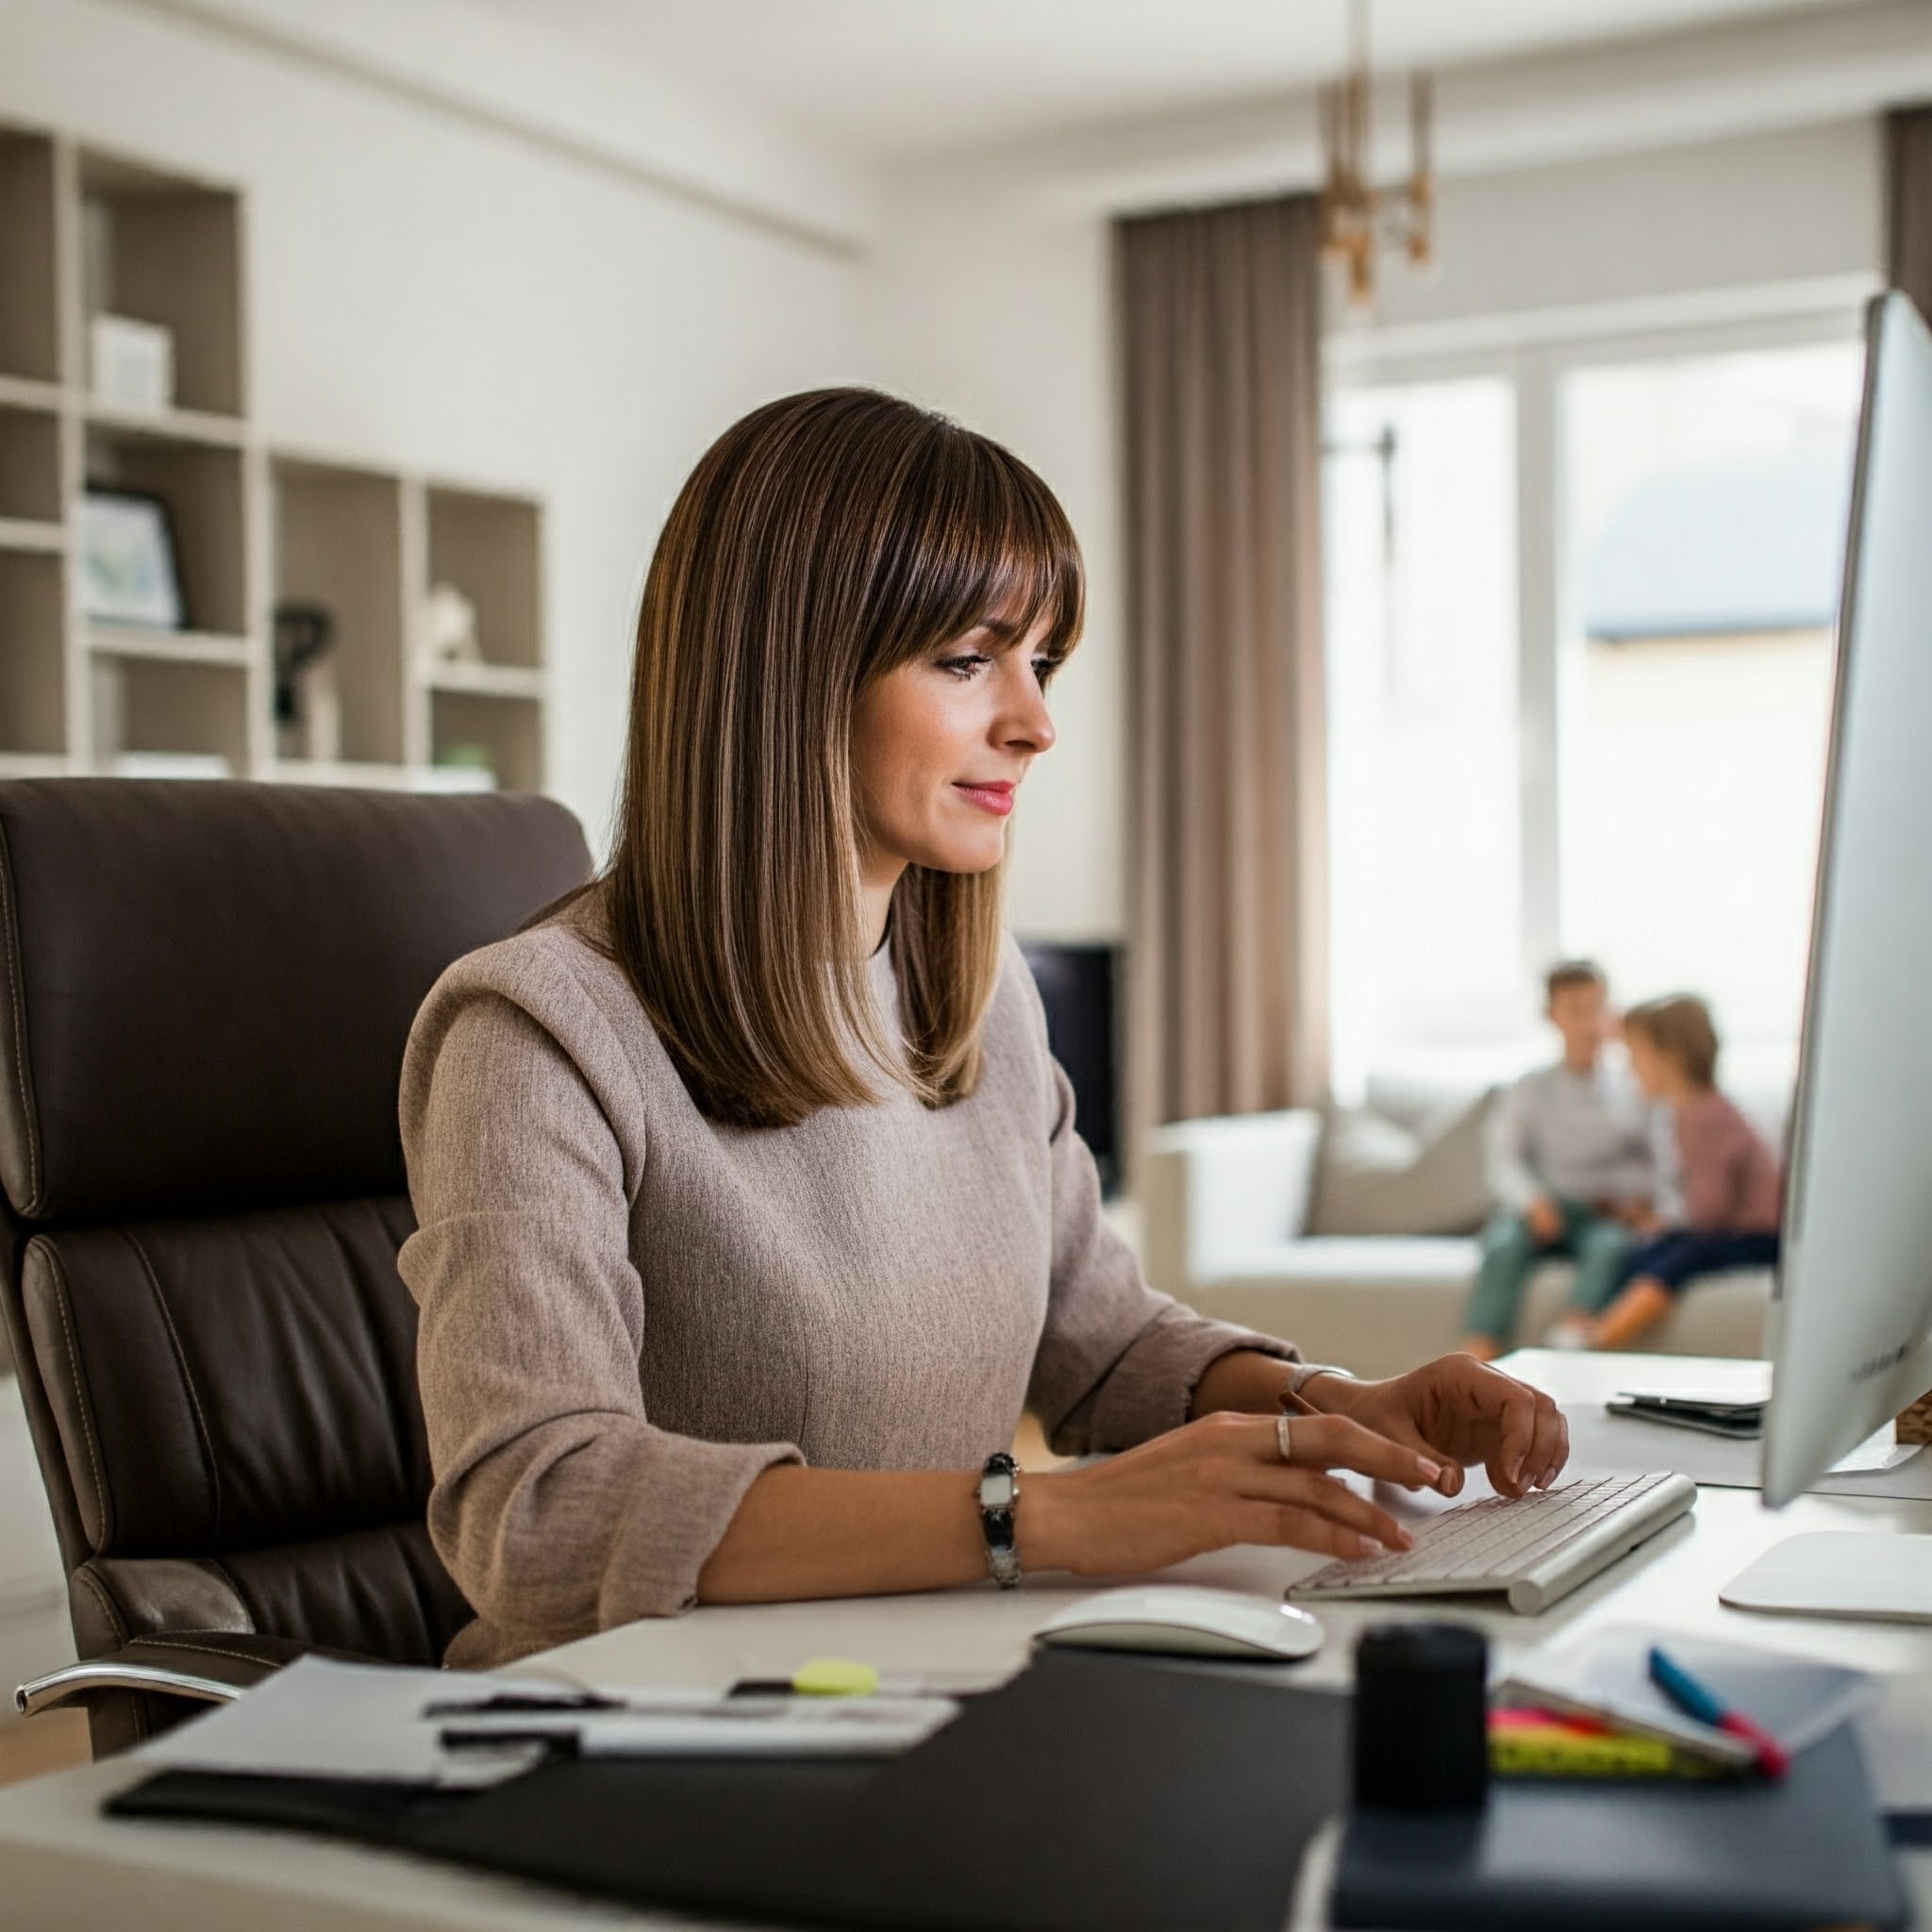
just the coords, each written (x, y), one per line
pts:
(1884, 1575)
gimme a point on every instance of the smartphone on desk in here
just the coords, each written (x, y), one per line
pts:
(1710, 1415)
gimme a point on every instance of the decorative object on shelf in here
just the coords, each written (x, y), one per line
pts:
(131, 363)
(127, 569)
(1359, 220)
(466, 756)
(449, 627)
(309, 706)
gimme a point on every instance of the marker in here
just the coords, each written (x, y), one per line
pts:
(1695, 1701)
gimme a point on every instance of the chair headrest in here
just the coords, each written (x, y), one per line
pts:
(209, 987)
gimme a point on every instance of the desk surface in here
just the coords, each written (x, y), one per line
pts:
(62, 1864)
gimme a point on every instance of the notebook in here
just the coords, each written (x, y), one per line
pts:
(1605, 1673)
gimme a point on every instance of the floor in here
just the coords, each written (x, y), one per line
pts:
(34, 1634)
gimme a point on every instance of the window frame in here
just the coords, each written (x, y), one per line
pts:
(1534, 354)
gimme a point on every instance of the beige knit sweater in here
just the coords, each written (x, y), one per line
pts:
(628, 1311)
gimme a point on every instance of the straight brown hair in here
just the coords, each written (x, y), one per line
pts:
(1680, 1026)
(820, 542)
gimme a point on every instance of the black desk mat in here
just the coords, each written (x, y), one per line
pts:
(1091, 1794)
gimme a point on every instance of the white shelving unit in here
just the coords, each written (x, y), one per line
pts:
(83, 232)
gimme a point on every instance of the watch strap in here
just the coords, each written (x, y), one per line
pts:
(999, 1497)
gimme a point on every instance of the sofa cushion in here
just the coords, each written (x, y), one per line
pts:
(1447, 1261)
(1378, 1176)
(1383, 1322)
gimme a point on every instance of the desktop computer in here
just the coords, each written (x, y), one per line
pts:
(1854, 1302)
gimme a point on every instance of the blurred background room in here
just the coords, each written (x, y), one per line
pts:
(1455, 400)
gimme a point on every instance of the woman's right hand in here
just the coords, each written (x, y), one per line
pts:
(1214, 1483)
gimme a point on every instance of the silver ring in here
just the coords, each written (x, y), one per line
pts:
(1281, 1438)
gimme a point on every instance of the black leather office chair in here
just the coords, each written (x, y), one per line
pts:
(206, 991)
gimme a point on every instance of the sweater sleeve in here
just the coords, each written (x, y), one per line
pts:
(558, 1506)
(1506, 1163)
(1118, 1361)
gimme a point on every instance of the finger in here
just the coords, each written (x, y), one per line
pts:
(1304, 1488)
(1516, 1433)
(1336, 1442)
(1550, 1447)
(1283, 1526)
(1403, 1429)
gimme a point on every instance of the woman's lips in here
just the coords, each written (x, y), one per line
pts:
(996, 798)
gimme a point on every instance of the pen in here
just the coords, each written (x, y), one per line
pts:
(1694, 1700)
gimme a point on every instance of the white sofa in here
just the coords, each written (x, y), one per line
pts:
(1223, 1206)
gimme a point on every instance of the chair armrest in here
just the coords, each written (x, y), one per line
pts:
(1212, 1189)
(202, 1666)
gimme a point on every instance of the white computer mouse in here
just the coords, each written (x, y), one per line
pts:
(1177, 1620)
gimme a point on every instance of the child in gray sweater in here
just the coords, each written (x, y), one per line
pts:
(1569, 1165)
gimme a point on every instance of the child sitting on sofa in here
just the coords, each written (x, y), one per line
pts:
(1569, 1163)
(1727, 1191)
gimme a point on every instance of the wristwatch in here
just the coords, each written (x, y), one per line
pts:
(999, 1496)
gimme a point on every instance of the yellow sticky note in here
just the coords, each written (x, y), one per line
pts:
(835, 1677)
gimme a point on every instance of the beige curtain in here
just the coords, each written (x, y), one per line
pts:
(1908, 203)
(1219, 319)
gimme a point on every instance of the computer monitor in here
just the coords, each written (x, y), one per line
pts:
(1854, 1307)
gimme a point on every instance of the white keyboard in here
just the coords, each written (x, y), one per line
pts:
(1534, 1549)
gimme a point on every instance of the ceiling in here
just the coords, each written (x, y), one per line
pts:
(886, 77)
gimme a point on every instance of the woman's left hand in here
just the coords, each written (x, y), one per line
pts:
(1459, 1410)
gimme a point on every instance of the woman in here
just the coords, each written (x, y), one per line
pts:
(751, 1210)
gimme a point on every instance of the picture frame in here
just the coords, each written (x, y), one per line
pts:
(129, 571)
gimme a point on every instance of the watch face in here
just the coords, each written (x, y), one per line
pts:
(997, 1491)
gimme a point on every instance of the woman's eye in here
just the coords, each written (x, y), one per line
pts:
(966, 666)
(1043, 669)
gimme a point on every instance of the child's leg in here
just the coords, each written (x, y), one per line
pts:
(1602, 1247)
(1641, 1306)
(1651, 1279)
(1509, 1252)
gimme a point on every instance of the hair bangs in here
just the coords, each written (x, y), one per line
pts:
(991, 544)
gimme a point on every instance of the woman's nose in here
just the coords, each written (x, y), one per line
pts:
(1025, 724)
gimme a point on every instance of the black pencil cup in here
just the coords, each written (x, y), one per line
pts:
(1422, 1716)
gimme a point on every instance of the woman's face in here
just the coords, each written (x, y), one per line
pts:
(940, 746)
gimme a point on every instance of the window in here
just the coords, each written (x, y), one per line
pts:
(1707, 502)
(1422, 694)
(1579, 644)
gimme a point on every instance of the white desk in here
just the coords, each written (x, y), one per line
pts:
(62, 1864)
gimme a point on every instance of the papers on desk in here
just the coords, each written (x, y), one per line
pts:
(461, 1731)
(1605, 1673)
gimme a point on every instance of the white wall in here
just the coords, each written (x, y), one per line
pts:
(991, 299)
(1800, 205)
(425, 292)
(1002, 322)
